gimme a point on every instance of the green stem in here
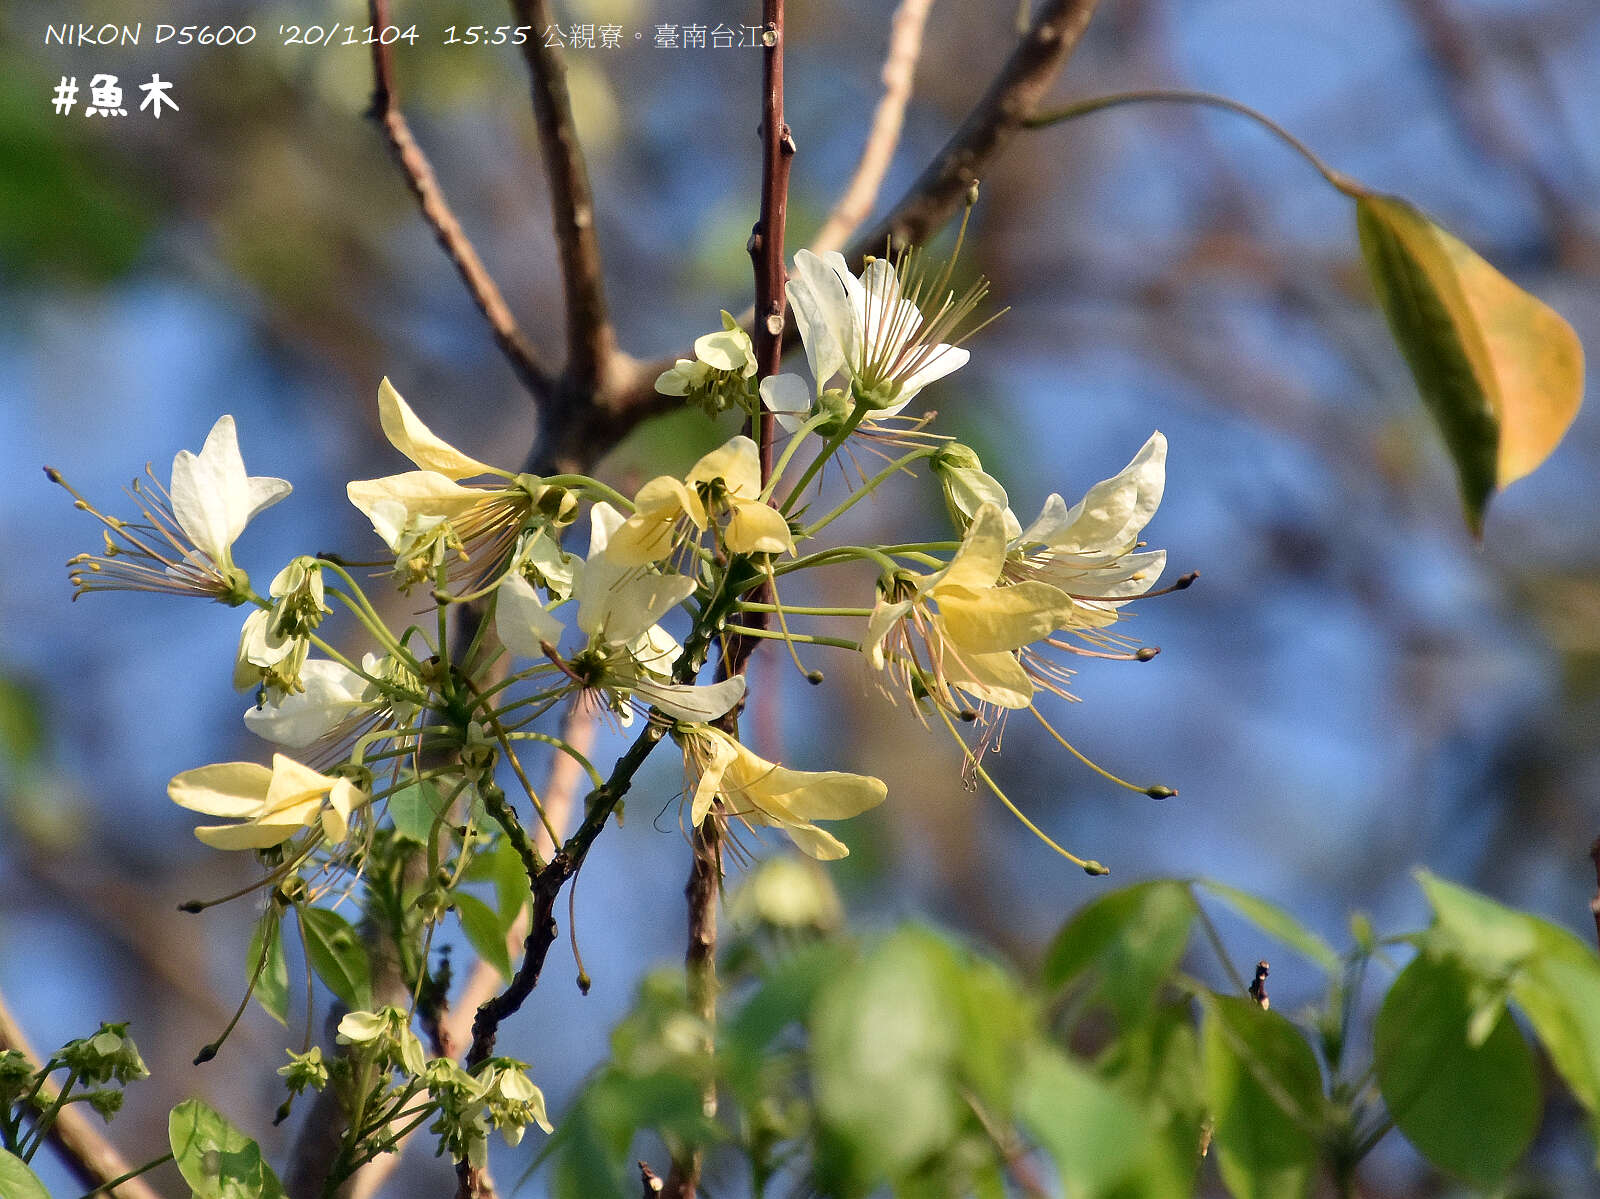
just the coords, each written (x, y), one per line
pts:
(128, 1177)
(558, 743)
(593, 486)
(811, 426)
(41, 1126)
(802, 638)
(827, 451)
(1083, 108)
(867, 488)
(801, 609)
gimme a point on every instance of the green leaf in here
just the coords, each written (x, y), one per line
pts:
(1552, 976)
(1275, 922)
(902, 1046)
(338, 956)
(215, 1158)
(1471, 1109)
(511, 887)
(22, 731)
(1500, 371)
(414, 810)
(17, 1181)
(1096, 1136)
(1131, 940)
(272, 982)
(1265, 1092)
(484, 931)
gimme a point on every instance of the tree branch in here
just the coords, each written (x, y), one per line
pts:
(413, 163)
(91, 1159)
(591, 343)
(899, 67)
(938, 192)
(1012, 98)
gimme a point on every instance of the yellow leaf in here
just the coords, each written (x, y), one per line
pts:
(1501, 371)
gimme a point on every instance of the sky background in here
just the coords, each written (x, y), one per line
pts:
(1353, 689)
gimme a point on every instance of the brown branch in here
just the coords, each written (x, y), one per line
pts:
(899, 67)
(1594, 904)
(424, 185)
(1012, 97)
(88, 1156)
(591, 344)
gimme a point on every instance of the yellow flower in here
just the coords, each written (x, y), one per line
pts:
(959, 630)
(427, 516)
(728, 479)
(760, 792)
(271, 805)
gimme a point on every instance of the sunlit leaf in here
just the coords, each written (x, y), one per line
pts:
(338, 956)
(215, 1158)
(1265, 1091)
(1501, 371)
(1095, 1136)
(17, 1181)
(1471, 1109)
(414, 810)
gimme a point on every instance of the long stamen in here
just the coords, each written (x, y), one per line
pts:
(1155, 792)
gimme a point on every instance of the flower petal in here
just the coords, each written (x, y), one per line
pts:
(983, 552)
(332, 694)
(737, 463)
(416, 441)
(211, 496)
(522, 621)
(249, 835)
(757, 528)
(822, 310)
(690, 702)
(991, 619)
(234, 789)
(997, 679)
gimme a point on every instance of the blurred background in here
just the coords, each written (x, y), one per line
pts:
(1354, 688)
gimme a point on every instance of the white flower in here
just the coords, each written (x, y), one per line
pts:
(619, 610)
(213, 499)
(728, 479)
(333, 698)
(185, 544)
(760, 792)
(869, 330)
(429, 519)
(957, 631)
(1089, 550)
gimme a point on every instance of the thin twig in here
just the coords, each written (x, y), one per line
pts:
(590, 340)
(91, 1159)
(899, 66)
(766, 256)
(441, 218)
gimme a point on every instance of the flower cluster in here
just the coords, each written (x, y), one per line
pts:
(396, 745)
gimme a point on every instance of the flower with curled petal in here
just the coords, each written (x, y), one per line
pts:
(727, 481)
(429, 519)
(627, 653)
